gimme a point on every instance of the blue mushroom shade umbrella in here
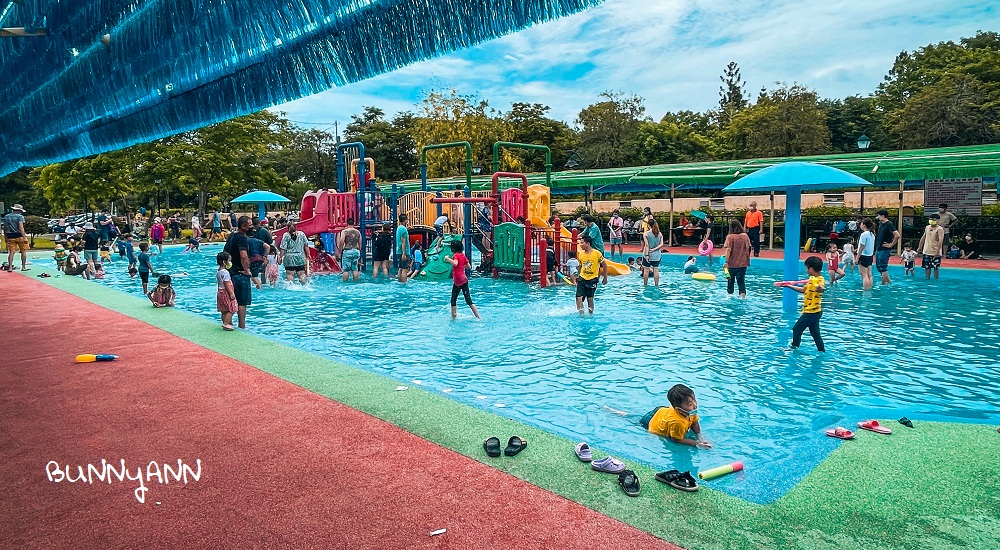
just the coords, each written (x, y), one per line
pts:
(261, 198)
(793, 178)
(699, 214)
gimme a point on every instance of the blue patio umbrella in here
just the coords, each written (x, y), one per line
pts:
(260, 198)
(793, 178)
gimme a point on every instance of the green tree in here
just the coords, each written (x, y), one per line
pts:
(85, 183)
(451, 117)
(16, 188)
(732, 94)
(530, 125)
(676, 138)
(610, 130)
(849, 119)
(390, 143)
(963, 78)
(786, 121)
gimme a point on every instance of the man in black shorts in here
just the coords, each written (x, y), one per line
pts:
(237, 246)
(592, 267)
(382, 251)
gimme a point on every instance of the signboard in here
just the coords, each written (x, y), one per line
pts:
(964, 196)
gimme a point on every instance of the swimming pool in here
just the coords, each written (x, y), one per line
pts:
(924, 350)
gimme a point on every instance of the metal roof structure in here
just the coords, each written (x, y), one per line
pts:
(884, 168)
(88, 76)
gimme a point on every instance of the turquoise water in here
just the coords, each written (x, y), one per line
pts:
(916, 348)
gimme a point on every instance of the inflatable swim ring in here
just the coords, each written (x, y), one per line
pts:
(706, 248)
(703, 276)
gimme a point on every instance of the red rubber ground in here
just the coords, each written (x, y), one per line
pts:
(281, 467)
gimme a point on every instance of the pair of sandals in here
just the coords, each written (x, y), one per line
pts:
(515, 445)
(627, 480)
(682, 481)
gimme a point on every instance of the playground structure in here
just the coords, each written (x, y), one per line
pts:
(511, 229)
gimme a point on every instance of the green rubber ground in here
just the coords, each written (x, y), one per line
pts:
(935, 486)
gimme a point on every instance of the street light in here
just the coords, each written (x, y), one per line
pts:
(864, 142)
(573, 161)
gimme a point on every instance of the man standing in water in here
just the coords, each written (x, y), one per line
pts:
(348, 244)
(885, 240)
(239, 271)
(403, 248)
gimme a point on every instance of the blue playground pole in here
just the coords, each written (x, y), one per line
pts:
(261, 211)
(438, 205)
(468, 222)
(361, 228)
(423, 177)
(793, 219)
(341, 168)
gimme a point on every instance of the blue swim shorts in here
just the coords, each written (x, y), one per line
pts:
(349, 261)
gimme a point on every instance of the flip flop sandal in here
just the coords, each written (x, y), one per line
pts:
(608, 465)
(492, 446)
(874, 426)
(582, 451)
(680, 481)
(906, 422)
(840, 433)
(629, 483)
(515, 445)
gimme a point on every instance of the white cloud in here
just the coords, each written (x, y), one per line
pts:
(672, 52)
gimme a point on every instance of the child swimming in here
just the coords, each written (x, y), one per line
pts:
(674, 422)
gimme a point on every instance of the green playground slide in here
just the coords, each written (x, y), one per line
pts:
(435, 267)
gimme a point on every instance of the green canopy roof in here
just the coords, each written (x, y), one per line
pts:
(876, 167)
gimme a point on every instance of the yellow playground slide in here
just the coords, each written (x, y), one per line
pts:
(538, 214)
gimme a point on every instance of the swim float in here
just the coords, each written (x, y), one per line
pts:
(703, 276)
(706, 248)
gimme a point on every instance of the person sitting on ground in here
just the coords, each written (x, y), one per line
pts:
(970, 248)
(674, 422)
(690, 266)
(163, 294)
(74, 265)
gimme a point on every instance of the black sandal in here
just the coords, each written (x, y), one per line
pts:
(629, 483)
(492, 446)
(680, 481)
(515, 445)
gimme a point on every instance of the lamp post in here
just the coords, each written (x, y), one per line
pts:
(864, 142)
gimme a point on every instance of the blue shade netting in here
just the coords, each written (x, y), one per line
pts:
(176, 65)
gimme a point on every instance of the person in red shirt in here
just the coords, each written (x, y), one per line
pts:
(753, 221)
(459, 279)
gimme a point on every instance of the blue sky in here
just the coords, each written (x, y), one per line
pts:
(671, 52)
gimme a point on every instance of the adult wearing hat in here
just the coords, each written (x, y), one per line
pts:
(91, 247)
(17, 239)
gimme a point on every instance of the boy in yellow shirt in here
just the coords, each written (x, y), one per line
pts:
(812, 304)
(592, 267)
(675, 421)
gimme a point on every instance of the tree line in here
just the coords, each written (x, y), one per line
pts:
(941, 95)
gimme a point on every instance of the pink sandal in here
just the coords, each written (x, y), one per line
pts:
(874, 426)
(840, 433)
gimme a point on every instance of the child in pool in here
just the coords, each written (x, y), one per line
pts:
(225, 298)
(60, 257)
(573, 266)
(105, 253)
(674, 422)
(690, 266)
(812, 303)
(271, 271)
(194, 245)
(417, 253)
(631, 264)
(833, 263)
(163, 294)
(99, 271)
(551, 266)
(909, 258)
(459, 279)
(847, 260)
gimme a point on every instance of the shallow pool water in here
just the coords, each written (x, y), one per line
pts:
(916, 348)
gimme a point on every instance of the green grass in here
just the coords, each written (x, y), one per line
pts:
(935, 486)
